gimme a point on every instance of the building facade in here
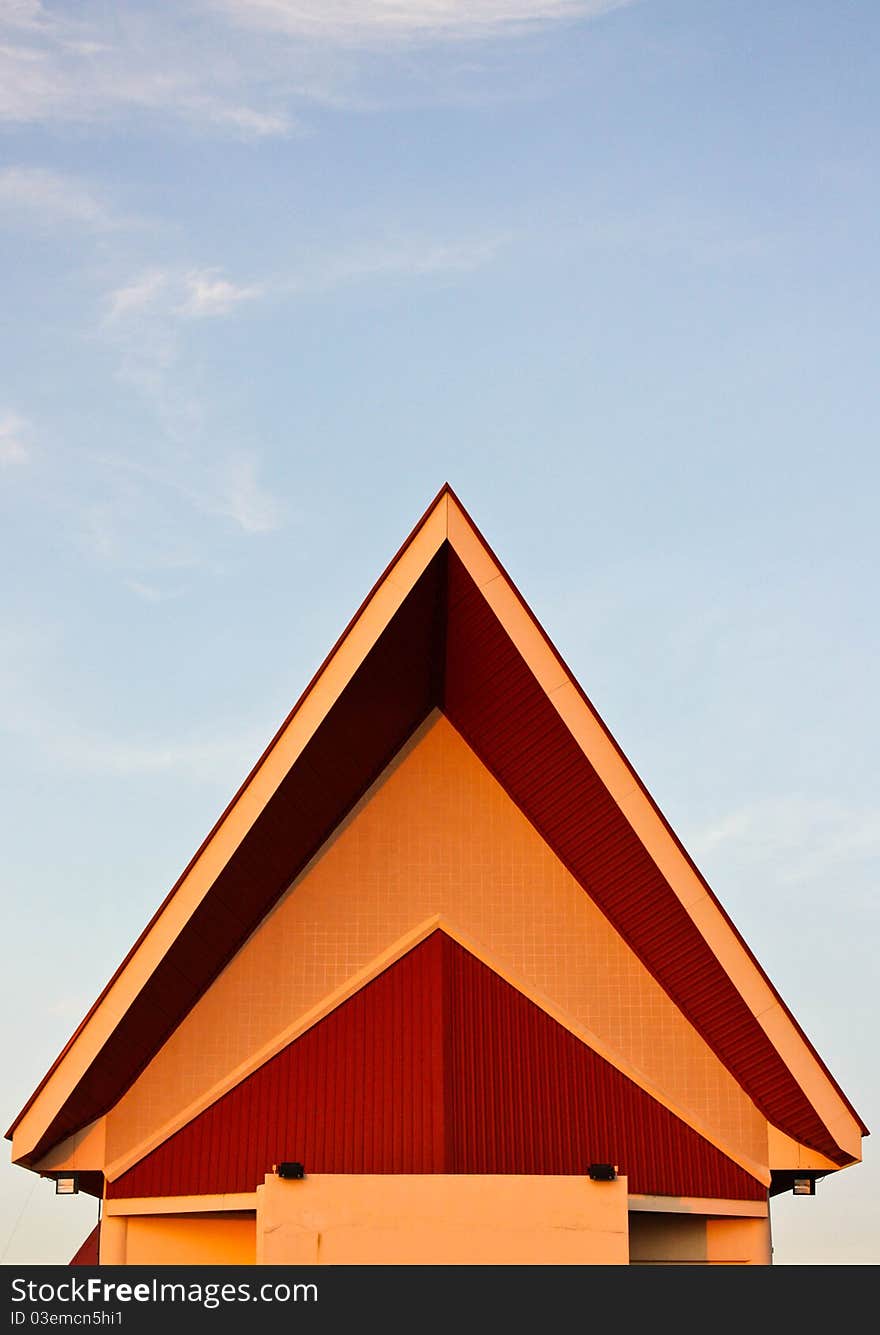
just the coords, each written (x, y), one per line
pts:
(441, 986)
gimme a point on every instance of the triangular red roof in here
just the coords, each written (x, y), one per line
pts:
(445, 628)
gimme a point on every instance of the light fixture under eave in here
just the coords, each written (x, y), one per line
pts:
(803, 1186)
(67, 1184)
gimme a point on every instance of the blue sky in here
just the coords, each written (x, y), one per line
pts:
(275, 271)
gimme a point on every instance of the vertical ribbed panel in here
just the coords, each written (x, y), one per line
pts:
(438, 1065)
(496, 704)
(360, 1092)
(530, 1097)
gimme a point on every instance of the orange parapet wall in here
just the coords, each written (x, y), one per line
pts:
(196, 1238)
(331, 1219)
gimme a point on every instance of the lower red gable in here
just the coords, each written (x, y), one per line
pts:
(437, 1066)
(89, 1249)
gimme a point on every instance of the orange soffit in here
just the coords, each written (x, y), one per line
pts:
(445, 629)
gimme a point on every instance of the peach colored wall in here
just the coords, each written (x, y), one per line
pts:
(738, 1242)
(437, 834)
(384, 1219)
(179, 1239)
(685, 1239)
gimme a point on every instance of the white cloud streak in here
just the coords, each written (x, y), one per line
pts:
(226, 485)
(398, 255)
(89, 63)
(151, 316)
(800, 838)
(240, 496)
(230, 66)
(138, 295)
(352, 23)
(49, 198)
(149, 593)
(195, 294)
(208, 294)
(14, 447)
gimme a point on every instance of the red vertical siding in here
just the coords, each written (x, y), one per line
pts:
(438, 1065)
(360, 1092)
(530, 1097)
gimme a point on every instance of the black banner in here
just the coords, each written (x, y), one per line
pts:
(166, 1299)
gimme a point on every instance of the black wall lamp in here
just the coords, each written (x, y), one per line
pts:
(603, 1172)
(289, 1170)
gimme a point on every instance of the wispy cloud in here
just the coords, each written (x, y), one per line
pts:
(140, 294)
(166, 294)
(51, 198)
(30, 711)
(227, 485)
(14, 435)
(800, 838)
(239, 494)
(89, 63)
(194, 758)
(150, 593)
(685, 228)
(389, 256)
(208, 294)
(232, 66)
(152, 318)
(352, 23)
(87, 751)
(146, 319)
(245, 122)
(69, 1007)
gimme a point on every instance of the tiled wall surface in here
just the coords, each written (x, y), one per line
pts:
(436, 835)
